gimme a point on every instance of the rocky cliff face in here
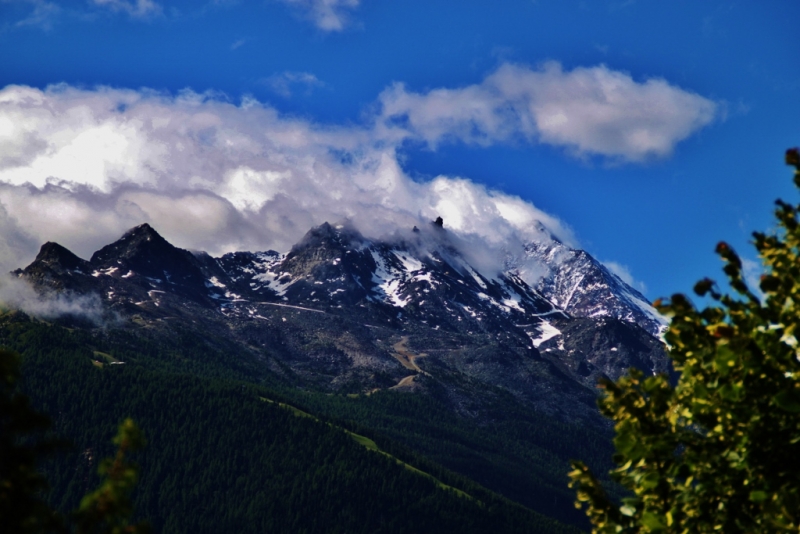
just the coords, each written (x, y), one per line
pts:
(340, 312)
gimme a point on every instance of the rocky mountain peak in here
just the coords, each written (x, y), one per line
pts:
(143, 229)
(57, 268)
(56, 255)
(327, 237)
(582, 286)
(323, 244)
(335, 255)
(137, 242)
(143, 252)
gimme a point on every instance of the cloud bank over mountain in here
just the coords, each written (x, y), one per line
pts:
(81, 166)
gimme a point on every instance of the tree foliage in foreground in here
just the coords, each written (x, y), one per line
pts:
(21, 507)
(23, 444)
(108, 509)
(718, 452)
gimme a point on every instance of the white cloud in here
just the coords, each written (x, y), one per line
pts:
(82, 166)
(42, 13)
(139, 8)
(17, 294)
(79, 167)
(286, 82)
(327, 15)
(752, 271)
(589, 111)
(624, 273)
(15, 243)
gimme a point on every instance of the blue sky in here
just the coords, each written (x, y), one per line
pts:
(642, 131)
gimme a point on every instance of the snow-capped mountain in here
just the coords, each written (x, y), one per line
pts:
(337, 267)
(580, 285)
(343, 312)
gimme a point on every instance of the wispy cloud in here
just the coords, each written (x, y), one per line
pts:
(589, 111)
(603, 49)
(17, 294)
(238, 43)
(44, 14)
(41, 13)
(286, 83)
(624, 273)
(137, 8)
(327, 15)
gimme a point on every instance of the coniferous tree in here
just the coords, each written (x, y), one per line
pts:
(24, 443)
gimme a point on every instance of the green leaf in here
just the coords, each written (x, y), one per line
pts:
(725, 359)
(787, 400)
(653, 521)
(731, 392)
(625, 443)
(650, 480)
(689, 450)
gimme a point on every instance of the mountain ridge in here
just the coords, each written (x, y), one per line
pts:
(476, 369)
(332, 311)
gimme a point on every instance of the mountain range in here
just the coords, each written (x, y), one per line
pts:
(341, 313)
(484, 372)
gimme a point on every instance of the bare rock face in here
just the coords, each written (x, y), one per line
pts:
(343, 313)
(143, 252)
(57, 269)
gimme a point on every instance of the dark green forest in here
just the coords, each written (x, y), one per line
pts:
(224, 455)
(520, 453)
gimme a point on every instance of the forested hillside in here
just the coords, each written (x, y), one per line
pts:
(225, 456)
(402, 340)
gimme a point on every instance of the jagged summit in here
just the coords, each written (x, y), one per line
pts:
(56, 255)
(545, 232)
(143, 251)
(142, 229)
(138, 241)
(327, 237)
(56, 268)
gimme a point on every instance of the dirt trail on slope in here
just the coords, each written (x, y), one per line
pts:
(405, 382)
(408, 360)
